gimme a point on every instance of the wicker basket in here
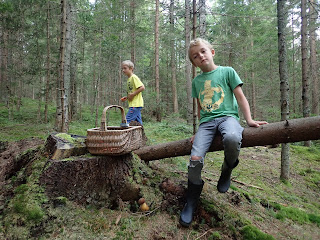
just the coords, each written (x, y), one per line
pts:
(111, 140)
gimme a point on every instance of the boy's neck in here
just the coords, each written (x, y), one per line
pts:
(130, 74)
(209, 68)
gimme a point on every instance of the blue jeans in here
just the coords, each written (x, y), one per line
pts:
(231, 132)
(134, 114)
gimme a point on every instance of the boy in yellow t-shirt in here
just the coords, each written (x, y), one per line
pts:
(134, 90)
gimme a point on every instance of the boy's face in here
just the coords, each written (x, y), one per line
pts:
(202, 56)
(127, 70)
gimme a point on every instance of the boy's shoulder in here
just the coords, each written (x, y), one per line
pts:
(226, 68)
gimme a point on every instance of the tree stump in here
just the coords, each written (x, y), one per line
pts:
(95, 180)
(98, 180)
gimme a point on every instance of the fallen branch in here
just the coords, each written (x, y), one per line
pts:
(245, 184)
(295, 130)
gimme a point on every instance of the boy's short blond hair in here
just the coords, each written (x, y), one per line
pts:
(196, 42)
(128, 63)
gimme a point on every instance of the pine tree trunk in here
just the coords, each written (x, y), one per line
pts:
(173, 60)
(294, 130)
(188, 64)
(194, 102)
(73, 65)
(305, 81)
(202, 18)
(313, 59)
(60, 112)
(284, 84)
(157, 74)
(133, 31)
(293, 68)
(47, 65)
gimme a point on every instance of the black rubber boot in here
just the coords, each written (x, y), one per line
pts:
(225, 177)
(190, 207)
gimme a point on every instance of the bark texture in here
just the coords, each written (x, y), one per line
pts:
(294, 130)
(102, 181)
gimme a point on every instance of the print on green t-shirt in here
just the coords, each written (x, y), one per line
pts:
(215, 93)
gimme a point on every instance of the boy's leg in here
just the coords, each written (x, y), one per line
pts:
(134, 114)
(200, 147)
(231, 132)
(201, 144)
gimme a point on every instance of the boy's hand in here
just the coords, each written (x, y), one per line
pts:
(123, 99)
(130, 96)
(192, 139)
(254, 123)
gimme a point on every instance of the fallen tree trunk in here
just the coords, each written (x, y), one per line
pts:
(295, 130)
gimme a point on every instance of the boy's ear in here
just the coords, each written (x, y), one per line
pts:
(213, 52)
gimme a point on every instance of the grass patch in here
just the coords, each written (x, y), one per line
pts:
(251, 232)
(310, 153)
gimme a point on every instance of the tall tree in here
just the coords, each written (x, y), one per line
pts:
(62, 106)
(284, 83)
(202, 18)
(188, 63)
(47, 87)
(194, 103)
(157, 77)
(313, 58)
(132, 29)
(305, 80)
(173, 60)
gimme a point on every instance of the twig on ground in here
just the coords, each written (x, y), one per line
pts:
(248, 185)
(210, 230)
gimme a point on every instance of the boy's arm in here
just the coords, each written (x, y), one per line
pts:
(139, 89)
(245, 108)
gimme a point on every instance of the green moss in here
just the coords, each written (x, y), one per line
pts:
(251, 232)
(310, 153)
(70, 139)
(215, 236)
(314, 218)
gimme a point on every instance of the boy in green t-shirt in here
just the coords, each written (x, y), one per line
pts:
(134, 90)
(218, 93)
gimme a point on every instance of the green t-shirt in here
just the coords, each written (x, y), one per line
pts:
(133, 84)
(215, 93)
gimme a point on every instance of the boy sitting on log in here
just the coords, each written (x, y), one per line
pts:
(218, 92)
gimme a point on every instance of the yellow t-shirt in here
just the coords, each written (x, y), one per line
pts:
(133, 84)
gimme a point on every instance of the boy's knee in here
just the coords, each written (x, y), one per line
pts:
(232, 139)
(196, 161)
(195, 158)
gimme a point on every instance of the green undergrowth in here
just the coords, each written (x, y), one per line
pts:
(251, 232)
(25, 211)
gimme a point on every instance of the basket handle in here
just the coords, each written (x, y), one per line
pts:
(103, 118)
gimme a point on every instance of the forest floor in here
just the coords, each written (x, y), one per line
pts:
(257, 198)
(258, 204)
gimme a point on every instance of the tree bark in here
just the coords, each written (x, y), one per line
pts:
(173, 60)
(60, 112)
(133, 30)
(284, 84)
(98, 180)
(188, 64)
(202, 19)
(48, 59)
(313, 58)
(194, 102)
(294, 130)
(304, 59)
(157, 74)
